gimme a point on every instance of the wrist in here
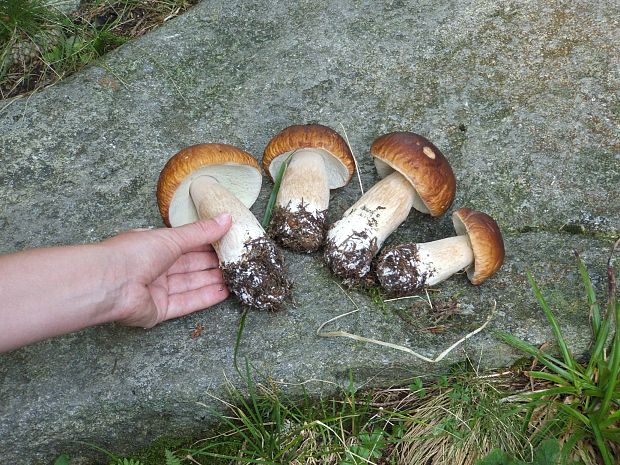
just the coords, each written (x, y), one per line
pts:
(111, 282)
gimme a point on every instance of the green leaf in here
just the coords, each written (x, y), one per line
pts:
(548, 360)
(574, 413)
(614, 359)
(171, 459)
(547, 453)
(547, 376)
(127, 461)
(602, 446)
(551, 392)
(417, 387)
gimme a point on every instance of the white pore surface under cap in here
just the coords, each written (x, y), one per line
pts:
(337, 172)
(243, 181)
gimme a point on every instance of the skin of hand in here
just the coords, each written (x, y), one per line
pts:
(137, 278)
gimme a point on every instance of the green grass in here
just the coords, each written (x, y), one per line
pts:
(39, 45)
(267, 428)
(581, 407)
(451, 417)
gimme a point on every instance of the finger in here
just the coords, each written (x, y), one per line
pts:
(198, 299)
(190, 236)
(194, 261)
(202, 248)
(179, 283)
(148, 228)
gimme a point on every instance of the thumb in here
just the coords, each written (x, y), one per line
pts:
(191, 236)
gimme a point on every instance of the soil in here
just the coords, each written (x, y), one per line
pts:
(352, 259)
(301, 230)
(259, 278)
(398, 270)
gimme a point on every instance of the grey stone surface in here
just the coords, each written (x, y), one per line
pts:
(64, 6)
(522, 97)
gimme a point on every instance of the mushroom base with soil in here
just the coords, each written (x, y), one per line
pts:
(258, 278)
(315, 160)
(351, 259)
(302, 230)
(298, 220)
(407, 268)
(252, 266)
(353, 241)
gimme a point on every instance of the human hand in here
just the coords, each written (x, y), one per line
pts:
(166, 273)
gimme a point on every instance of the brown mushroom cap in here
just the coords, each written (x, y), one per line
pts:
(486, 242)
(233, 168)
(335, 151)
(424, 166)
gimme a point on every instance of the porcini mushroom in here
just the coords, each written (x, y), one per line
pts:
(318, 160)
(206, 180)
(478, 248)
(415, 174)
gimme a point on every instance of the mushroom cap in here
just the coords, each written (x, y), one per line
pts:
(336, 154)
(486, 242)
(423, 164)
(234, 169)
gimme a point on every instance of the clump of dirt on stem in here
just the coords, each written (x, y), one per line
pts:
(301, 230)
(353, 262)
(259, 279)
(397, 270)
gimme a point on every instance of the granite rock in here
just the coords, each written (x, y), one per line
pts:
(522, 97)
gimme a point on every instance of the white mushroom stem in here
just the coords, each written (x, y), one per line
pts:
(304, 183)
(439, 260)
(406, 268)
(211, 200)
(376, 214)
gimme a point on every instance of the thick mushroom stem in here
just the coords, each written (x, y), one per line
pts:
(406, 268)
(353, 241)
(211, 200)
(252, 266)
(298, 220)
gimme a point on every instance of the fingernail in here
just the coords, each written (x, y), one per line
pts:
(222, 219)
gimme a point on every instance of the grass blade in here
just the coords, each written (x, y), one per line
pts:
(546, 376)
(595, 311)
(596, 358)
(574, 414)
(614, 358)
(614, 368)
(274, 192)
(570, 444)
(601, 444)
(568, 357)
(611, 418)
(566, 390)
(548, 360)
(238, 340)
